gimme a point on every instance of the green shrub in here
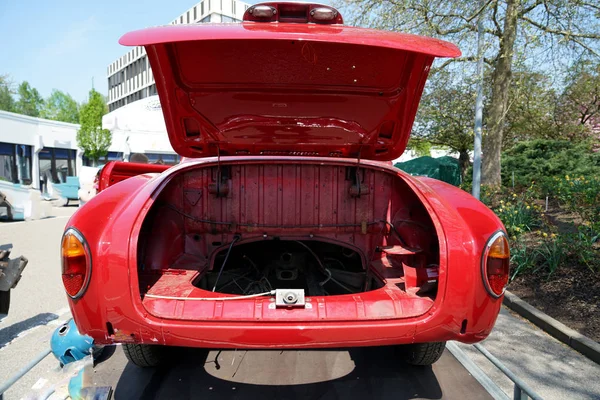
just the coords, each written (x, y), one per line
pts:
(551, 254)
(518, 211)
(522, 259)
(583, 248)
(543, 160)
(581, 195)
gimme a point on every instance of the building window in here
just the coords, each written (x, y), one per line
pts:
(209, 7)
(202, 8)
(195, 15)
(233, 6)
(15, 163)
(55, 165)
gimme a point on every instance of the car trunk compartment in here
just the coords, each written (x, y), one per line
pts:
(355, 238)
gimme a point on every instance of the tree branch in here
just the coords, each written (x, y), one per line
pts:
(496, 23)
(531, 7)
(567, 34)
(462, 59)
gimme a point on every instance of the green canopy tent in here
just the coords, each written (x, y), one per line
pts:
(443, 168)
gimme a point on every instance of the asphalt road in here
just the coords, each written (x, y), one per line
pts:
(363, 373)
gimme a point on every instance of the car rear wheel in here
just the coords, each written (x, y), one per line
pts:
(144, 355)
(424, 353)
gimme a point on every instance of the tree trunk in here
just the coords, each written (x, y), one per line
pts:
(463, 163)
(501, 80)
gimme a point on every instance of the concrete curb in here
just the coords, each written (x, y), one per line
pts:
(560, 331)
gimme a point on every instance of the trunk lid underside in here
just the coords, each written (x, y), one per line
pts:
(288, 89)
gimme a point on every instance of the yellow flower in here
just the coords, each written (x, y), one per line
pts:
(567, 177)
(553, 235)
(544, 234)
(514, 195)
(501, 201)
(528, 207)
(517, 229)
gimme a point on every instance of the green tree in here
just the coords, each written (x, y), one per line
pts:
(530, 28)
(30, 102)
(420, 146)
(91, 138)
(445, 116)
(60, 106)
(7, 102)
(532, 109)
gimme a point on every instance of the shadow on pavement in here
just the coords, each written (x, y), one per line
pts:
(361, 373)
(11, 332)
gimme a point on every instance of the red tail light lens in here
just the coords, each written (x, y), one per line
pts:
(76, 263)
(495, 264)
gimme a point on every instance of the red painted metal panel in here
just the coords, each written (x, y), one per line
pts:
(111, 223)
(301, 89)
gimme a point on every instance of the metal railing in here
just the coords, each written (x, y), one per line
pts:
(521, 390)
(19, 374)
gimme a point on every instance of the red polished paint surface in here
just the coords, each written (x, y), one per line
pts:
(111, 222)
(288, 89)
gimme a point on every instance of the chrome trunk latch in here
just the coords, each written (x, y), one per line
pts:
(289, 298)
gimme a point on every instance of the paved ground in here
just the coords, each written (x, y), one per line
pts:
(39, 305)
(551, 368)
(344, 374)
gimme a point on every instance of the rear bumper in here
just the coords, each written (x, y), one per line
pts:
(436, 325)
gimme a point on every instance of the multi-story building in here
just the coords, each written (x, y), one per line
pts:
(130, 77)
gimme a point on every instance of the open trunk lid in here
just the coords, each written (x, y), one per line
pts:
(298, 89)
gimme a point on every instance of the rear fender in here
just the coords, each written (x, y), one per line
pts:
(107, 214)
(468, 224)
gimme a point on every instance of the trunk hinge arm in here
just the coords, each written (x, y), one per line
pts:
(358, 188)
(220, 188)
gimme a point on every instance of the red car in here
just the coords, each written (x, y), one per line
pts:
(286, 225)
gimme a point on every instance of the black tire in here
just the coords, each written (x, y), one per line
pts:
(144, 355)
(424, 353)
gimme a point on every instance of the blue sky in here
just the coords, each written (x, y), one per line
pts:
(63, 44)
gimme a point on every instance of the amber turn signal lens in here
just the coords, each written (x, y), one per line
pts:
(496, 263)
(75, 263)
(499, 248)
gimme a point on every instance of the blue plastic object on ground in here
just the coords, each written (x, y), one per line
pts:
(69, 345)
